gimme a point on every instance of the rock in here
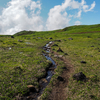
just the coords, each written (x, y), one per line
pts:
(12, 36)
(65, 54)
(50, 38)
(57, 40)
(84, 62)
(31, 88)
(88, 36)
(55, 55)
(43, 80)
(59, 50)
(79, 76)
(59, 78)
(60, 56)
(70, 38)
(55, 45)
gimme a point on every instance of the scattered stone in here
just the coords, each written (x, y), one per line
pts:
(14, 43)
(88, 37)
(12, 36)
(9, 48)
(55, 55)
(55, 45)
(79, 76)
(70, 38)
(84, 62)
(59, 50)
(65, 54)
(91, 56)
(60, 56)
(50, 38)
(57, 40)
(31, 88)
(59, 78)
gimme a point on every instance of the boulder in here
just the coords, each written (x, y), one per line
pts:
(79, 76)
(59, 50)
(59, 78)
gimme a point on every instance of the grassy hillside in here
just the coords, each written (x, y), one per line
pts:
(22, 62)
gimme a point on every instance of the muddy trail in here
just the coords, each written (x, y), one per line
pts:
(59, 89)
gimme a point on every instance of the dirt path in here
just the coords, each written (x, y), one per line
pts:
(59, 91)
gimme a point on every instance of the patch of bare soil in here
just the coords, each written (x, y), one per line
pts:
(59, 91)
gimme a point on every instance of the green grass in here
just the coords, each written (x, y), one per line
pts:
(22, 61)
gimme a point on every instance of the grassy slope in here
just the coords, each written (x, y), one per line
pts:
(27, 54)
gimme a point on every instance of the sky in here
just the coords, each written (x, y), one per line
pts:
(46, 15)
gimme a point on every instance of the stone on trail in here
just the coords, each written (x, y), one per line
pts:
(60, 56)
(79, 76)
(59, 78)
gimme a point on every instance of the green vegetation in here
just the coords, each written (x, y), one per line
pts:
(22, 62)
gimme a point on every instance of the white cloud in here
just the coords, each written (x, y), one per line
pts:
(57, 18)
(15, 18)
(77, 23)
(25, 15)
(79, 14)
(86, 7)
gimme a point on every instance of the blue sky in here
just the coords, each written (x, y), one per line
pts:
(45, 15)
